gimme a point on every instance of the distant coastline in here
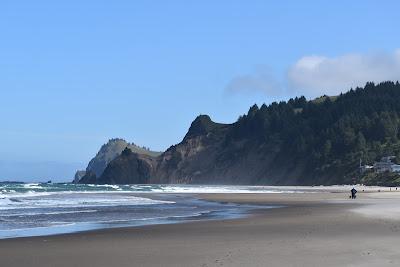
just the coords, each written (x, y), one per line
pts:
(298, 142)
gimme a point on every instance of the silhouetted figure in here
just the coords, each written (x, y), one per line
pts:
(353, 193)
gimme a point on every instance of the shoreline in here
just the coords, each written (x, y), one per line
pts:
(313, 229)
(206, 210)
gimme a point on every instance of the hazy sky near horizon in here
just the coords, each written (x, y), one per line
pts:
(74, 74)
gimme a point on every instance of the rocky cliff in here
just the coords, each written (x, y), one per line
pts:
(207, 155)
(107, 153)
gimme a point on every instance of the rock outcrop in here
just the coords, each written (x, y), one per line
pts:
(78, 176)
(107, 153)
(129, 168)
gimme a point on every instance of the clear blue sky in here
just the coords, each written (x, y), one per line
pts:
(75, 73)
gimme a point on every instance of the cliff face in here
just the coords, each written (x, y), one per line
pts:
(210, 154)
(195, 159)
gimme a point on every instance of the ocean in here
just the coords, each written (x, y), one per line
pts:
(35, 209)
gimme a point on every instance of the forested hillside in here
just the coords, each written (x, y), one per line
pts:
(329, 134)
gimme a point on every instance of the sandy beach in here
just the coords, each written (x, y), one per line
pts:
(312, 229)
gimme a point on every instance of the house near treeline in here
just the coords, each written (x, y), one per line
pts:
(386, 165)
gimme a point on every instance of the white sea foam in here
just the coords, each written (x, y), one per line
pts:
(32, 186)
(257, 189)
(68, 200)
(224, 189)
(104, 185)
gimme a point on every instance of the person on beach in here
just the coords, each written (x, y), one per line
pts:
(353, 193)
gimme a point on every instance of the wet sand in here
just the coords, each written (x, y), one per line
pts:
(313, 229)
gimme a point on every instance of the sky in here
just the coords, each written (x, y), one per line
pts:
(74, 74)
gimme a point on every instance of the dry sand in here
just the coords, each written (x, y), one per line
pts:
(311, 230)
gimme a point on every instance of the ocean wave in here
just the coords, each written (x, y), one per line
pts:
(104, 185)
(32, 186)
(71, 200)
(221, 189)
